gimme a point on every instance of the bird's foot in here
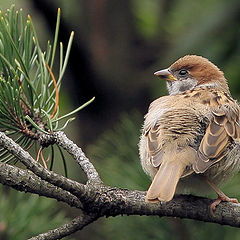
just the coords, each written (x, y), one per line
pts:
(221, 198)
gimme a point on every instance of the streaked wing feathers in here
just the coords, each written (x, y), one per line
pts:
(154, 147)
(222, 129)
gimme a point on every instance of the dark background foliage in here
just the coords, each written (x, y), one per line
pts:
(117, 47)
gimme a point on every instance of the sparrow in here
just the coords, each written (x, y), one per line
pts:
(192, 135)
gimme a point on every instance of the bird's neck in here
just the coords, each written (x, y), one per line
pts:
(177, 87)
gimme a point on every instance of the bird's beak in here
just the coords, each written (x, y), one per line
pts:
(165, 74)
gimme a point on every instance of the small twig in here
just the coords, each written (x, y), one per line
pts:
(56, 91)
(38, 154)
(43, 160)
(79, 156)
(76, 224)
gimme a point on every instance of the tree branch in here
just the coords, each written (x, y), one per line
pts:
(76, 224)
(26, 181)
(79, 156)
(114, 201)
(73, 187)
(109, 201)
(94, 198)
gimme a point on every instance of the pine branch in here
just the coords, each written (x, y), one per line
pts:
(79, 156)
(98, 200)
(26, 181)
(29, 89)
(66, 184)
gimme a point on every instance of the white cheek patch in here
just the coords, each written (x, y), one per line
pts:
(175, 87)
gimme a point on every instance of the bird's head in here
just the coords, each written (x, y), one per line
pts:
(192, 71)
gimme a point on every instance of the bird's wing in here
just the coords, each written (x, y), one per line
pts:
(222, 129)
(154, 146)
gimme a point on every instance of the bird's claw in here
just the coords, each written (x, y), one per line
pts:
(221, 198)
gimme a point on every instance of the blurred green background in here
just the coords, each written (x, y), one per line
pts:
(117, 47)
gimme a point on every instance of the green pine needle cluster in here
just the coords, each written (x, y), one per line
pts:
(29, 88)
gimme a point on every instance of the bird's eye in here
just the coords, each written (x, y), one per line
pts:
(183, 72)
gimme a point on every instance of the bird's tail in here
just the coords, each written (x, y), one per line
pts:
(164, 184)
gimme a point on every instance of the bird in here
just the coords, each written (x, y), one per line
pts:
(191, 137)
